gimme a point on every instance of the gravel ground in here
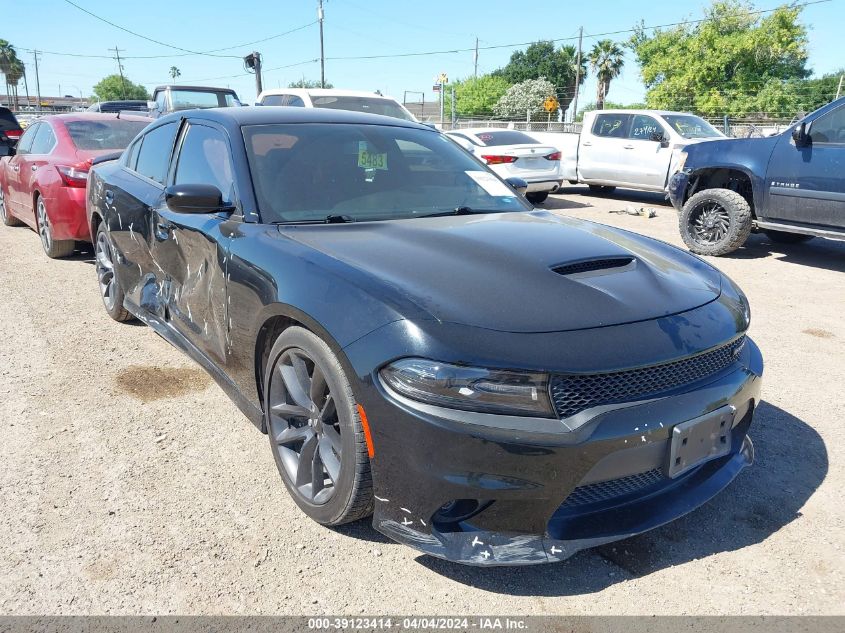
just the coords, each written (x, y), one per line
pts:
(131, 484)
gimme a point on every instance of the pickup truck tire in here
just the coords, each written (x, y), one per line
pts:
(782, 237)
(715, 222)
(602, 188)
(537, 197)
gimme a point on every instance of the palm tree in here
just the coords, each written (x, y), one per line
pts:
(606, 59)
(174, 73)
(11, 67)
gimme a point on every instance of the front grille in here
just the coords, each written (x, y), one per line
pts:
(573, 393)
(592, 265)
(605, 490)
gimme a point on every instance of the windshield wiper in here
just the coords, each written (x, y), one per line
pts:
(458, 211)
(329, 219)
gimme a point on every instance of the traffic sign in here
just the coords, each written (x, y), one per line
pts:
(550, 104)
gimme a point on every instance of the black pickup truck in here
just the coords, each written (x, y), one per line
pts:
(790, 186)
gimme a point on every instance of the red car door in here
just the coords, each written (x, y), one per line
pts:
(13, 170)
(29, 164)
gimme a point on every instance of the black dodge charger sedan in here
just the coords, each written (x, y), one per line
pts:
(495, 384)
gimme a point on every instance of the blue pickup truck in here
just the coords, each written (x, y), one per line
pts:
(790, 186)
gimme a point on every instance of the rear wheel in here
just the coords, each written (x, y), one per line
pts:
(110, 290)
(53, 248)
(537, 197)
(602, 189)
(782, 237)
(8, 218)
(315, 430)
(715, 222)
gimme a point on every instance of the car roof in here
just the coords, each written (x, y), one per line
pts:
(194, 88)
(648, 112)
(325, 92)
(266, 115)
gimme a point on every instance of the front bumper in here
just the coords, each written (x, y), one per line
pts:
(678, 186)
(523, 483)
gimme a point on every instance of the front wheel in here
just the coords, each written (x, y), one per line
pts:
(53, 248)
(8, 218)
(537, 197)
(316, 430)
(715, 222)
(782, 237)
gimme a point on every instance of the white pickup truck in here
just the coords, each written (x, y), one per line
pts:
(636, 149)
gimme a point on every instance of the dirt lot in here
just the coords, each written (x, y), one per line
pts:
(130, 484)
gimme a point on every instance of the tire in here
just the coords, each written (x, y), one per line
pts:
(537, 197)
(715, 222)
(298, 411)
(602, 188)
(110, 290)
(8, 218)
(782, 237)
(54, 249)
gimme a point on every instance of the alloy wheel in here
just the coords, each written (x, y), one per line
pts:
(304, 426)
(44, 227)
(709, 223)
(105, 270)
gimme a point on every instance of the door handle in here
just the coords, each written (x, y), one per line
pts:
(34, 167)
(628, 147)
(586, 144)
(16, 168)
(164, 230)
(109, 196)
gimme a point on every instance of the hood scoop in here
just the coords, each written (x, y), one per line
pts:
(592, 267)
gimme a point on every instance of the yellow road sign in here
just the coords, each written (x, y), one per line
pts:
(550, 104)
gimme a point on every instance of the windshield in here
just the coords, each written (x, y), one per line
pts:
(95, 135)
(690, 126)
(373, 105)
(190, 99)
(307, 172)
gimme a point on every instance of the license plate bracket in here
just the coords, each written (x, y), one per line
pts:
(699, 440)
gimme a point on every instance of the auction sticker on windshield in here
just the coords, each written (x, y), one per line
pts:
(370, 160)
(490, 183)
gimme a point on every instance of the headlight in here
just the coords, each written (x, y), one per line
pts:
(470, 388)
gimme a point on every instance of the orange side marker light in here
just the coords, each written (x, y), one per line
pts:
(365, 424)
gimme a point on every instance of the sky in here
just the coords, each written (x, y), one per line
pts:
(352, 28)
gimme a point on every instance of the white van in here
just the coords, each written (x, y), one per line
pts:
(355, 100)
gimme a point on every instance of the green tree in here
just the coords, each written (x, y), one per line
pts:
(174, 73)
(307, 83)
(12, 69)
(525, 99)
(541, 59)
(114, 87)
(606, 59)
(722, 64)
(477, 96)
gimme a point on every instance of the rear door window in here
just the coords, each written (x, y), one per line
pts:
(45, 140)
(154, 155)
(612, 125)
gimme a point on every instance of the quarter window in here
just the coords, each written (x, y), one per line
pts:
(612, 125)
(204, 159)
(154, 155)
(131, 156)
(44, 140)
(829, 128)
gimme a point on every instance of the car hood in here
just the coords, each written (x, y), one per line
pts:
(518, 272)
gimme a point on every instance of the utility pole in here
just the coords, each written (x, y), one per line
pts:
(322, 53)
(839, 89)
(120, 70)
(577, 76)
(252, 62)
(475, 64)
(37, 82)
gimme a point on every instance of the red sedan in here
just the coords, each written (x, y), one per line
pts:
(43, 183)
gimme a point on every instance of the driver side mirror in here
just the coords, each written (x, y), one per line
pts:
(801, 135)
(659, 137)
(194, 199)
(517, 183)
